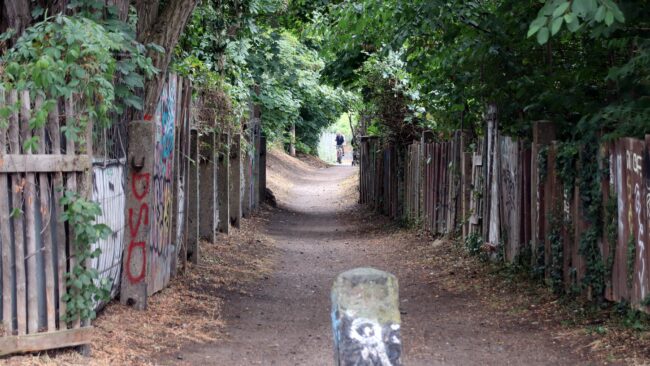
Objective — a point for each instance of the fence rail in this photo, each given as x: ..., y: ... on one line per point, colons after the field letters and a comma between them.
x: 508, y: 194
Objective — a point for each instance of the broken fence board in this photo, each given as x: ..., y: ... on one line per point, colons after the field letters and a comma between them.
x: 45, y: 341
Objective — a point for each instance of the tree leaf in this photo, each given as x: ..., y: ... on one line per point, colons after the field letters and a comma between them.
x: 557, y: 24
x: 609, y: 18
x: 542, y: 35
x: 561, y: 9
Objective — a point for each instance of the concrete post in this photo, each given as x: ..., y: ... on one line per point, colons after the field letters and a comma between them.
x: 465, y: 182
x: 207, y: 187
x: 257, y: 139
x: 223, y: 175
x: 366, y: 319
x: 292, y: 145
x: 193, y: 198
x: 246, y: 183
x: 139, y: 200
x: 235, y: 181
x: 262, y: 181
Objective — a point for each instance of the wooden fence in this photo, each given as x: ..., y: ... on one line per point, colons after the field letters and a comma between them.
x: 144, y: 177
x: 508, y: 194
x: 35, y: 244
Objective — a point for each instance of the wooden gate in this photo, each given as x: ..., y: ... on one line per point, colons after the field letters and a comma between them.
x: 35, y: 245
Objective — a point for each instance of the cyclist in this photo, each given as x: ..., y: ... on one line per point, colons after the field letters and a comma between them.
x: 340, y: 142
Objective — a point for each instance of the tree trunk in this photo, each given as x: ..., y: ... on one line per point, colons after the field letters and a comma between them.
x: 162, y: 27
x: 16, y: 15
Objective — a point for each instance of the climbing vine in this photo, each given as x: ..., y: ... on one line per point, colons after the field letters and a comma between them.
x: 555, y: 267
x: 99, y: 63
x: 591, y: 198
x: 85, y: 288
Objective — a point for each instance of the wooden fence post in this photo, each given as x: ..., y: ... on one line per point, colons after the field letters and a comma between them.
x: 465, y: 182
x: 139, y: 199
x: 366, y: 318
x: 223, y: 174
x: 207, y: 187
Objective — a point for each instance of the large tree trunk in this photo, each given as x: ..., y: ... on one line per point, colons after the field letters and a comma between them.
x: 16, y: 15
x: 162, y: 27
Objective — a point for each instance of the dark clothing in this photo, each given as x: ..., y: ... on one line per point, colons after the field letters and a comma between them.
x: 340, y: 140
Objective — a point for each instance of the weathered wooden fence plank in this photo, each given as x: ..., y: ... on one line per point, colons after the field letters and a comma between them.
x: 45, y: 341
x: 47, y: 244
x: 5, y: 238
x: 510, y: 199
x: 44, y: 163
x: 17, y: 200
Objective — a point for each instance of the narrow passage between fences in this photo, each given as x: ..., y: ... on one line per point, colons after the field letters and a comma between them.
x: 319, y: 231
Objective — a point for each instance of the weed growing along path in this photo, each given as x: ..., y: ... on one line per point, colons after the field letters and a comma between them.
x: 318, y: 232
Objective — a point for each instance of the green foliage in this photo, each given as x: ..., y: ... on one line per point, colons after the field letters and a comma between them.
x: 567, y: 157
x: 85, y: 288
x: 462, y: 55
x: 99, y: 63
x: 575, y: 14
x: 633, y: 318
x: 474, y: 245
x: 392, y: 104
x: 589, y: 180
x: 555, y: 267
x: 239, y: 47
x: 542, y: 163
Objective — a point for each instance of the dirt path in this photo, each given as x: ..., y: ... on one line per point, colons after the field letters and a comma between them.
x: 318, y: 232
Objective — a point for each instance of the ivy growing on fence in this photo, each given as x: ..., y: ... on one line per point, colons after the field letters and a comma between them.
x: 85, y: 288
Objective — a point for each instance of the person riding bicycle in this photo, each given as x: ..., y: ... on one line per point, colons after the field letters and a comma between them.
x: 340, y: 142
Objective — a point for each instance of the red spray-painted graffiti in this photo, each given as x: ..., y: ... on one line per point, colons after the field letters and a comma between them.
x: 136, y: 275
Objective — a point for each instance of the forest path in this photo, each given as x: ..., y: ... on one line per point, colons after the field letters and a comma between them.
x: 318, y: 232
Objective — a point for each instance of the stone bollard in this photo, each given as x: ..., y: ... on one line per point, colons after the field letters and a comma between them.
x: 366, y: 319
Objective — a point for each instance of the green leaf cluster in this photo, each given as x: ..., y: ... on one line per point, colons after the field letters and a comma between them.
x: 85, y: 287
x: 240, y: 48
x: 97, y: 62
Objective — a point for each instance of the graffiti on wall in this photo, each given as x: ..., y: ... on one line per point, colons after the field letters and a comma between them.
x: 108, y: 191
x: 630, y: 261
x: 162, y: 245
x: 140, y: 186
x: 361, y: 341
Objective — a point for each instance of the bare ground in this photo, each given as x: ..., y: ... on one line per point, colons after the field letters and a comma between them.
x: 261, y: 296
x: 455, y: 311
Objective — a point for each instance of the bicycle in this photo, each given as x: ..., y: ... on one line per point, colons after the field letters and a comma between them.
x: 339, y: 154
